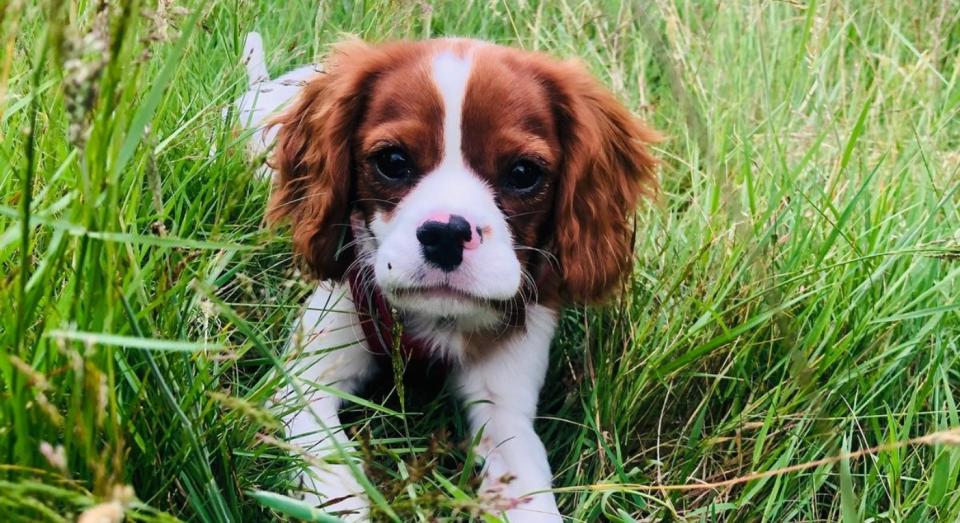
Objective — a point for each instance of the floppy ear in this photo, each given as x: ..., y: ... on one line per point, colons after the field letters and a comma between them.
x: 607, y: 169
x: 313, y: 160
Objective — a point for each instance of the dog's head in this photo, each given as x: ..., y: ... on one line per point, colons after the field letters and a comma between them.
x: 465, y: 174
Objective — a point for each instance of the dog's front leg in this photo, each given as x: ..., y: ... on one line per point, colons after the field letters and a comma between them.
x: 501, y: 390
x: 327, y: 350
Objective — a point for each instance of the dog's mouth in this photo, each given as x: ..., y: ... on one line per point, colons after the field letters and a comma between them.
x: 446, y: 301
x: 444, y: 292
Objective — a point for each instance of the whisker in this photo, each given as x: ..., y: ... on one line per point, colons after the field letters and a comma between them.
x: 521, y: 214
x: 375, y: 200
x: 549, y: 256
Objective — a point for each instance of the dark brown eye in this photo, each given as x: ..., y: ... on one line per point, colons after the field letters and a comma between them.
x: 394, y: 164
x: 523, y: 177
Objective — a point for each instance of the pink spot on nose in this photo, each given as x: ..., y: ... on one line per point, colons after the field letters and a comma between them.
x: 442, y: 217
x: 478, y: 235
x: 475, y: 239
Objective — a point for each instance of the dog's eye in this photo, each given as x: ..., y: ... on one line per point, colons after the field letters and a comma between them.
x: 393, y: 164
x: 523, y: 176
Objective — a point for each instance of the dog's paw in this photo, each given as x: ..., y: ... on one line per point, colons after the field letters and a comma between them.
x: 504, y: 496
x: 335, y: 490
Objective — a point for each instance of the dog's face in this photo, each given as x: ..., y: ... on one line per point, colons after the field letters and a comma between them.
x: 469, y: 177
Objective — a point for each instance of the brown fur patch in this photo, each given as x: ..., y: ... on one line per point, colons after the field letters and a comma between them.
x: 576, y: 226
x: 368, y: 96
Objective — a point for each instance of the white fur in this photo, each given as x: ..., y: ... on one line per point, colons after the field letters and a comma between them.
x: 501, y: 393
x: 266, y: 97
x: 255, y: 59
x: 264, y: 100
x: 451, y: 74
x: 328, y: 346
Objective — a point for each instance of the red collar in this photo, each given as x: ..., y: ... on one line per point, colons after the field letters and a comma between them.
x: 379, y: 320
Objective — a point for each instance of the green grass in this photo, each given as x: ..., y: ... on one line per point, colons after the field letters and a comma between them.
x: 796, y: 292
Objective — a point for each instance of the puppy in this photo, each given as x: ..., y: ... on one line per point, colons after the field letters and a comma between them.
x: 452, y: 196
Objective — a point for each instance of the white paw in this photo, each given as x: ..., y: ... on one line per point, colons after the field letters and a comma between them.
x: 335, y: 490
x: 531, y: 515
x: 506, y: 497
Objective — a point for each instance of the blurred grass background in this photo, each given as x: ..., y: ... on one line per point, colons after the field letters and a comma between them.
x: 795, y: 294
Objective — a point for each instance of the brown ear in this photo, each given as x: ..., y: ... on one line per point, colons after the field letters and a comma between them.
x: 607, y: 170
x: 313, y: 160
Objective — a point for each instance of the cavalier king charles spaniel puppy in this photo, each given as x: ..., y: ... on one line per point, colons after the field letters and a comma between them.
x: 451, y: 196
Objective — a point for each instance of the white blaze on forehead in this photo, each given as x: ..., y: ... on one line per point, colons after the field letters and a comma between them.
x: 451, y: 72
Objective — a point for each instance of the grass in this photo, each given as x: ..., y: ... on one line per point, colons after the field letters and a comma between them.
x: 795, y: 297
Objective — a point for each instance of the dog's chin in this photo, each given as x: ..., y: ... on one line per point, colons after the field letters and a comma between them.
x: 444, y: 302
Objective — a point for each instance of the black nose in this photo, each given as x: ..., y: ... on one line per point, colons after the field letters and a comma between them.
x: 442, y: 243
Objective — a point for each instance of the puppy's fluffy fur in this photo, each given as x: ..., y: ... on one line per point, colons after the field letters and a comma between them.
x: 475, y: 189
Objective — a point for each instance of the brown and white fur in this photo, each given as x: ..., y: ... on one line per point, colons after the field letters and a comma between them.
x: 540, y: 161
